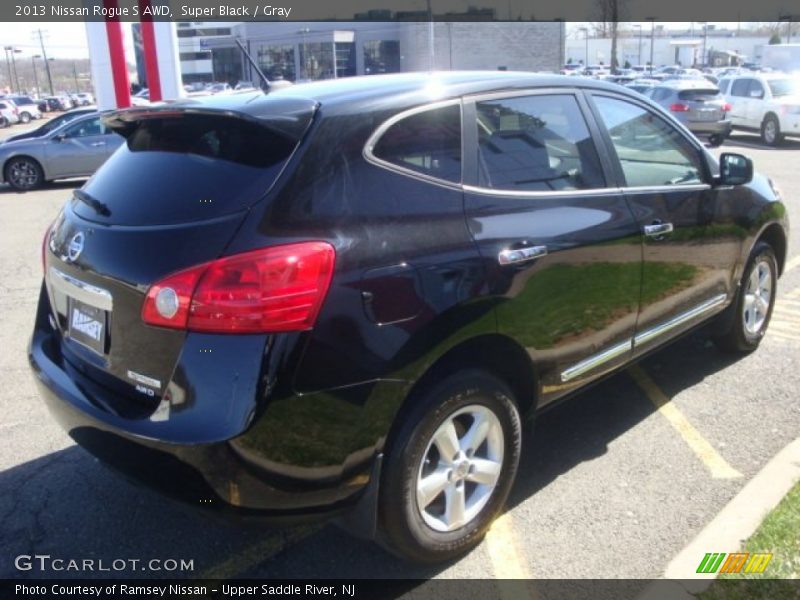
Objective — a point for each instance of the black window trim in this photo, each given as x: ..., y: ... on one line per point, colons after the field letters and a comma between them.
x: 374, y: 138
x: 678, y: 127
x: 469, y: 113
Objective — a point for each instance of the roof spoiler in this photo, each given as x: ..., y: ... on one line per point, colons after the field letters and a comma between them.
x: 286, y: 115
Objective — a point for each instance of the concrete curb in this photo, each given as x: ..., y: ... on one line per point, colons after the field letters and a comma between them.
x: 732, y: 526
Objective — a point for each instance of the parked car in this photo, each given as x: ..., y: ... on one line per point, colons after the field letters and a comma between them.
x: 141, y: 98
x: 56, y: 103
x: 27, y: 108
x: 764, y: 102
x: 245, y: 85
x: 76, y: 149
x: 52, y: 124
x: 8, y: 113
x: 217, y: 88
x: 343, y: 297
x: 85, y: 99
x: 699, y: 105
x: 642, y: 85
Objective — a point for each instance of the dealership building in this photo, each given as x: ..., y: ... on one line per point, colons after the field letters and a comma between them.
x: 297, y: 51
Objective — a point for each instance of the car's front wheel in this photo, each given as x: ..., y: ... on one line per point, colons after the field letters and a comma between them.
x: 715, y: 140
x: 24, y: 173
x: 450, y: 468
x: 747, y: 319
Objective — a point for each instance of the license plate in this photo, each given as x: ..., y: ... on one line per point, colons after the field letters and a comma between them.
x: 87, y: 325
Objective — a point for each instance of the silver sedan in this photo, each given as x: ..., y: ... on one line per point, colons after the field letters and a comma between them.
x: 76, y: 149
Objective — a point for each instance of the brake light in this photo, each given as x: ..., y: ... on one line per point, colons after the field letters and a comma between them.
x: 269, y: 290
x: 678, y: 107
x: 727, y: 107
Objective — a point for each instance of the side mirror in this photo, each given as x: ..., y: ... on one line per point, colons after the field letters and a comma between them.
x: 735, y: 169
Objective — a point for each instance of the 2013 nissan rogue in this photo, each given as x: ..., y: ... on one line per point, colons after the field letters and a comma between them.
x: 340, y: 298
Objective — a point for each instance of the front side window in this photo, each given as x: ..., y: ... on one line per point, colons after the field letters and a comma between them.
x: 650, y: 150
x: 426, y: 142
x: 85, y: 128
x: 535, y: 143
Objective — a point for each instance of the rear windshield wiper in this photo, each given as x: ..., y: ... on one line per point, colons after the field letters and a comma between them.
x: 99, y: 207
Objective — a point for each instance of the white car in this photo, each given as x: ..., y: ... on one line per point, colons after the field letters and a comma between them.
x: 27, y: 108
x: 8, y: 113
x: 764, y: 102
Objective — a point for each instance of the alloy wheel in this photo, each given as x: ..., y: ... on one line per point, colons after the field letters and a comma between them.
x: 23, y: 174
x: 460, y: 468
x: 757, y: 298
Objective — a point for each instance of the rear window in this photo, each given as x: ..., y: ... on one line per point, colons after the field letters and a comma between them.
x: 699, y: 95
x: 186, y: 167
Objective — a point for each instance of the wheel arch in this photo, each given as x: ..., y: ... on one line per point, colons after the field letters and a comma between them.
x: 495, y: 353
x: 774, y: 235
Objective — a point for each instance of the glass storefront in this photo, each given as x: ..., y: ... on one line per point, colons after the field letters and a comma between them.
x: 277, y: 61
x: 381, y: 56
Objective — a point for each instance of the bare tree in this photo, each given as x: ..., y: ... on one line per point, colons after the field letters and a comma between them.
x: 610, y: 13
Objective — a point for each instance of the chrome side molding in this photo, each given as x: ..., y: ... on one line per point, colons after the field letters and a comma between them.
x: 594, y: 361
x: 80, y: 290
x: 654, y: 332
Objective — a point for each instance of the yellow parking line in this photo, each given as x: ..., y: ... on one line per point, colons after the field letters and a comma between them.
x: 508, y: 560
x: 719, y: 468
x: 503, y: 549
x: 255, y: 554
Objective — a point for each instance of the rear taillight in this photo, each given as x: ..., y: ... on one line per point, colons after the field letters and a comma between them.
x: 44, y: 247
x: 726, y: 107
x: 678, y: 107
x: 270, y: 290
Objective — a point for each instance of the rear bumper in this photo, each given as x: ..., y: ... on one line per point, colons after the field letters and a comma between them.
x: 234, y: 477
x: 711, y: 128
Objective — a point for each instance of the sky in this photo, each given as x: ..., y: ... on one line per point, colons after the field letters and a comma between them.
x: 62, y: 40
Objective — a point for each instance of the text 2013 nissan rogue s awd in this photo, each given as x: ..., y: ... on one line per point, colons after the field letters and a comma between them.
x: 339, y: 298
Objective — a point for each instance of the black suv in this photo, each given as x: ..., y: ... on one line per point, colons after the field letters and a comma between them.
x: 340, y: 298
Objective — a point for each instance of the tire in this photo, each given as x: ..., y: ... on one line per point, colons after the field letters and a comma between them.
x: 426, y: 533
x: 746, y: 320
x: 716, y: 140
x: 25, y: 118
x: 4, y: 123
x: 23, y: 173
x: 771, y: 131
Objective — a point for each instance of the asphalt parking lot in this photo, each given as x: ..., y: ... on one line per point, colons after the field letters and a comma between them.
x: 610, y: 486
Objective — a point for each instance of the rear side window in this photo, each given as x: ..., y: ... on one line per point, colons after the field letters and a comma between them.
x: 660, y: 94
x: 186, y: 167
x: 740, y: 87
x: 426, y: 142
x: 724, y: 85
x: 535, y: 143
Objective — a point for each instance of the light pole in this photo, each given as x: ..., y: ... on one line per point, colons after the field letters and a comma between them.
x: 703, y: 58
x: 13, y: 81
x: 639, y: 27
x: 8, y: 64
x: 35, y: 74
x: 586, y: 31
x: 304, y: 62
x: 652, y: 40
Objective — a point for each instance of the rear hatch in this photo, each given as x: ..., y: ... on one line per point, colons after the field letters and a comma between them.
x: 170, y: 198
x: 704, y: 104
